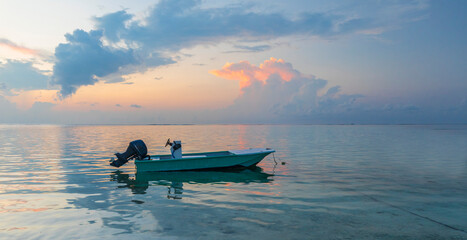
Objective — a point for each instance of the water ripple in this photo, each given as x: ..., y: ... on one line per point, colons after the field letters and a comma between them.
x: 331, y: 182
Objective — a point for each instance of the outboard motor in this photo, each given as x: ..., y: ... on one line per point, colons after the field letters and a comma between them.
x: 136, y: 150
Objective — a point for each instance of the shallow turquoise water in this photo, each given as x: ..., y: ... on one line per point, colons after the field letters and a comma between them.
x: 338, y: 182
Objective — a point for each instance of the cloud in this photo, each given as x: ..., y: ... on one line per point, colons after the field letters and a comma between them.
x: 112, y: 24
x: 249, y: 49
x: 21, y: 75
x: 172, y: 25
x: 40, y: 56
x: 84, y: 58
x: 15, y: 47
x: 40, y: 112
x: 400, y: 107
x: 248, y: 73
x: 276, y: 92
x: 123, y: 44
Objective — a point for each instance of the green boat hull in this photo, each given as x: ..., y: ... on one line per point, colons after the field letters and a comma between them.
x: 211, y: 160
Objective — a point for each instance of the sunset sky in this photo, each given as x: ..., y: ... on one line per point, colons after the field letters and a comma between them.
x: 252, y: 62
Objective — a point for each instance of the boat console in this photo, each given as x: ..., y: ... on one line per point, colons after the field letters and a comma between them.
x: 175, y: 148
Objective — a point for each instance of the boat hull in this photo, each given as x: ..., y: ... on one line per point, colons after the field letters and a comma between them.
x: 197, y: 163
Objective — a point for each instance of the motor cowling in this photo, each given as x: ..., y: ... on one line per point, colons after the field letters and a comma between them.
x: 136, y: 150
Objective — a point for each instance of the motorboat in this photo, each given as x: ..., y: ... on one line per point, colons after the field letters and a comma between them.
x: 176, y: 161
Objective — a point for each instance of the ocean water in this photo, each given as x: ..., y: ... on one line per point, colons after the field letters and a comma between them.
x: 324, y: 182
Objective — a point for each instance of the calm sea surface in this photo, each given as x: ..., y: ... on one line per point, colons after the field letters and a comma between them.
x: 337, y: 182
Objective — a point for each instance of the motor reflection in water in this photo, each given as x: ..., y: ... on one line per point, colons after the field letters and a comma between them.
x: 175, y: 180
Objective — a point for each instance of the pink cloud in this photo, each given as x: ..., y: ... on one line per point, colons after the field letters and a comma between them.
x: 275, y: 91
x: 11, y: 45
x: 248, y: 73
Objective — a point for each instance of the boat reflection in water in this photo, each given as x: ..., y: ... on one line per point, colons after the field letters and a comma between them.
x: 175, y: 180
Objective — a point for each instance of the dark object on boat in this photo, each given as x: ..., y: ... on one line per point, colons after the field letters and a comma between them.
x: 136, y: 150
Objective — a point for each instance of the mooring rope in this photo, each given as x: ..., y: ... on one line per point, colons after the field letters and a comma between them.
x: 413, y: 213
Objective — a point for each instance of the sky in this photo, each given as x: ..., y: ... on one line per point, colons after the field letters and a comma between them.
x: 233, y: 62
